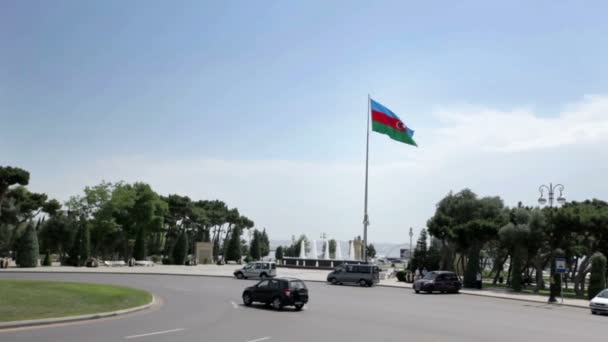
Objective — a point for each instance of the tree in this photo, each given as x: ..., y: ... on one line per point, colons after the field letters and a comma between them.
x: 81, y: 247
x: 514, y: 238
x: 264, y: 244
x: 279, y: 253
x: 597, y: 281
x: 57, y: 234
x: 27, y: 252
x: 47, y: 259
x: 332, y: 249
x: 433, y: 255
x: 139, y: 251
x: 418, y: 261
x: 371, y: 251
x: 180, y: 250
x: 234, y: 245
x: 10, y: 176
x: 255, y: 247
x: 467, y: 222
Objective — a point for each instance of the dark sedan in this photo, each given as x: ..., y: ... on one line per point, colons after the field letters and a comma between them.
x: 439, y: 281
x: 277, y: 292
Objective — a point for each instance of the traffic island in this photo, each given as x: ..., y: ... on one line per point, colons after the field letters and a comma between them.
x: 31, y: 302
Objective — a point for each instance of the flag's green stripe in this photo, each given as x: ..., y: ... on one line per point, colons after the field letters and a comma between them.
x: 393, y: 133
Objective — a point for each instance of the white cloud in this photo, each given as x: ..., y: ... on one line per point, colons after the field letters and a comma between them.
x: 522, y: 130
x: 493, y: 152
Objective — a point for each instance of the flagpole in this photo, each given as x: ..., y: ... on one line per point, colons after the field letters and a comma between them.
x: 365, y: 217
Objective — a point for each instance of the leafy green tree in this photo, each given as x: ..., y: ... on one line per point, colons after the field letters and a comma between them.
x: 27, y: 252
x: 57, y: 234
x: 597, y: 281
x: 418, y: 260
x: 515, y: 237
x: 255, y: 249
x: 139, y: 251
x: 81, y: 247
x: 332, y: 249
x: 264, y: 244
x: 371, y: 251
x: 234, y: 245
x: 10, y: 176
x: 279, y: 253
x: 433, y: 255
x: 467, y: 222
x: 180, y: 250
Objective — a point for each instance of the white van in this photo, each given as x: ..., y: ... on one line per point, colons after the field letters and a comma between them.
x: 257, y: 269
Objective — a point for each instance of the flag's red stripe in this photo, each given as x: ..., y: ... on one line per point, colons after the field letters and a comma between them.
x: 388, y: 120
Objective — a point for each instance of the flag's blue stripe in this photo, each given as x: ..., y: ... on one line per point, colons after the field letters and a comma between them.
x: 380, y: 108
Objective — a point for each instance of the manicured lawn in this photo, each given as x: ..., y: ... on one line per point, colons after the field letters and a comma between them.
x: 30, y: 299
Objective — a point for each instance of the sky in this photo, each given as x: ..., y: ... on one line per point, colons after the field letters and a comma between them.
x: 263, y: 104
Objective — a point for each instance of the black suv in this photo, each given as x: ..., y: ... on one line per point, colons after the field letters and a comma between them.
x: 440, y: 281
x: 277, y: 292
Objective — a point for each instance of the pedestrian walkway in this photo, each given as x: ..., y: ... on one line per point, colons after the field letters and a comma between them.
x: 304, y: 274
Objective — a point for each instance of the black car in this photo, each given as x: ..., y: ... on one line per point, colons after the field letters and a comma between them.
x: 440, y: 281
x: 277, y: 292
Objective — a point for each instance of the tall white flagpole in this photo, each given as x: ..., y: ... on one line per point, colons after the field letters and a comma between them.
x: 365, y: 217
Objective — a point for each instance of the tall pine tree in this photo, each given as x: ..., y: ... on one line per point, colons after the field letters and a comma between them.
x: 255, y: 249
x: 27, y: 252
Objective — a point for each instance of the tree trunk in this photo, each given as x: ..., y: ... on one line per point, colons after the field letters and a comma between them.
x: 499, y: 268
x: 579, y: 279
x: 540, y: 282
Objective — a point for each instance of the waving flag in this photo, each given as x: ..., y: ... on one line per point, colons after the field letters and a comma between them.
x: 386, y: 122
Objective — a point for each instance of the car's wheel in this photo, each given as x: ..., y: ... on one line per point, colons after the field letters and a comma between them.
x: 333, y: 281
x: 239, y: 275
x: 594, y: 312
x: 299, y: 307
x: 362, y: 282
x: 247, y: 299
x: 417, y: 291
x: 276, y: 303
x: 263, y: 276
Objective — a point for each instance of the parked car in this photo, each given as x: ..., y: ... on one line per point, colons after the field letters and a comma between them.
x: 364, y: 275
x: 278, y: 292
x: 440, y: 281
x: 258, y: 269
x: 599, y: 303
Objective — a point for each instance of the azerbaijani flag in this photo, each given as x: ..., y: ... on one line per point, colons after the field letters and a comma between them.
x: 386, y: 122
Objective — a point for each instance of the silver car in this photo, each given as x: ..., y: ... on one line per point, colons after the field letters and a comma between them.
x: 258, y: 269
x: 599, y: 303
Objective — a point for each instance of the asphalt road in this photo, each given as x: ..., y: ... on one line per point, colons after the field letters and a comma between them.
x: 210, y: 309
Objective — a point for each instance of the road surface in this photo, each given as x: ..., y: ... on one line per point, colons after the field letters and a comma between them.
x: 210, y: 309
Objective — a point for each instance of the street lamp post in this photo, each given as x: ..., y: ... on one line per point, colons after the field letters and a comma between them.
x: 543, y: 201
x: 411, y: 235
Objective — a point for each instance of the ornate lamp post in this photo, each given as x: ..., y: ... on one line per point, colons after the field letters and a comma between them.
x: 543, y: 201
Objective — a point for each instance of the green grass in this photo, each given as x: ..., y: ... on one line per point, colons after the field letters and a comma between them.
x: 30, y: 299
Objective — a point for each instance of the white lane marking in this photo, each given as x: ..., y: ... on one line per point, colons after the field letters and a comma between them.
x: 154, y: 333
x: 260, y: 339
x: 234, y: 305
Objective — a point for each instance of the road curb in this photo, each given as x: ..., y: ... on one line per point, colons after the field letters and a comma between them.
x: 316, y: 281
x: 69, y: 319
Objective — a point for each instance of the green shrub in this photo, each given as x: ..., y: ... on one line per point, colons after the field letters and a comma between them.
x: 27, y: 248
x: 401, y: 275
x: 597, y: 280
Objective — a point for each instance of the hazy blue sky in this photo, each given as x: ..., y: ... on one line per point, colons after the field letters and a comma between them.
x: 263, y: 103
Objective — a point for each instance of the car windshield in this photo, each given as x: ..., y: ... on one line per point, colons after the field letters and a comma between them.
x: 430, y: 276
x: 603, y: 294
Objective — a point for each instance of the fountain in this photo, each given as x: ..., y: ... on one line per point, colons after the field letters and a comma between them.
x: 338, y: 251
x: 351, y: 250
x: 326, y: 250
x: 303, y: 250
x: 314, y: 250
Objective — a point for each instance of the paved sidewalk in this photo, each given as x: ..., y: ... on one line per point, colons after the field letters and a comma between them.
x: 304, y: 274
